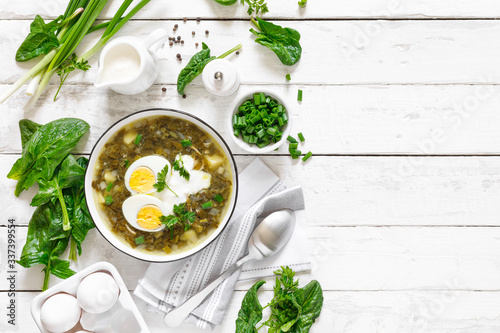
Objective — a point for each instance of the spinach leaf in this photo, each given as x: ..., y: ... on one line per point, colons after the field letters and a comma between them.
x: 226, y: 2
x: 310, y: 298
x: 42, y: 247
x: 45, y: 150
x: 282, y: 41
x: 194, y: 68
x: 196, y: 65
x: 251, y: 311
x: 27, y: 128
x: 41, y: 39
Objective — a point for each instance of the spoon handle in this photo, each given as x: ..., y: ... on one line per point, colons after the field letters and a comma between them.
x: 175, y: 317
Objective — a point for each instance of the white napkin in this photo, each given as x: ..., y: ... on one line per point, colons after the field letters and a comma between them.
x: 166, y: 285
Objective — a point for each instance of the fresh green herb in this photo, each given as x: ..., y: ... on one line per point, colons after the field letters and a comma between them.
x: 186, y: 143
x: 302, y: 3
x: 181, y: 217
x: 67, y: 67
x: 282, y: 41
x: 301, y: 137
x: 58, y: 39
x: 161, y: 182
x: 45, y: 150
x: 109, y: 187
x: 108, y: 200
x: 291, y: 139
x: 288, y: 77
x: 260, y: 120
x: 299, y: 96
x: 307, y: 156
x: 257, y: 6
x: 127, y: 163
x: 139, y: 240
x: 196, y: 65
x: 179, y: 166
x: 293, y: 309
x: 60, y: 199
x: 219, y: 198
x: 207, y: 205
x: 137, y: 139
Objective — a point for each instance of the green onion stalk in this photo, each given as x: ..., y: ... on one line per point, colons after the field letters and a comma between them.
x: 78, y: 21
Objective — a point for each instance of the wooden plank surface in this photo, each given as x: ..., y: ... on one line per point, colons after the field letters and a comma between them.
x: 334, y: 52
x: 284, y: 9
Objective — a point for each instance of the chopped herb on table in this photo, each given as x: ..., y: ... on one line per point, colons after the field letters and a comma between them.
x: 254, y: 6
x: 293, y: 309
x: 62, y: 215
x: 302, y: 3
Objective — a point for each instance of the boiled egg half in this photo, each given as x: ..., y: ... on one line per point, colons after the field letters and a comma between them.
x: 143, y: 212
x: 141, y: 175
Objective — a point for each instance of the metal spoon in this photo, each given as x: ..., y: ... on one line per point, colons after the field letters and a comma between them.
x: 268, y: 238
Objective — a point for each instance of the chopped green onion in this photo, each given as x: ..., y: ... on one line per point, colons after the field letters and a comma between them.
x: 291, y: 139
x: 306, y: 157
x: 127, y: 163
x: 207, y: 205
x: 108, y: 200
x: 301, y: 137
x: 256, y: 99
x: 297, y: 152
x: 137, y: 139
x: 288, y: 77
x: 295, y: 157
x: 299, y: 96
x: 108, y: 188
x: 294, y: 145
x: 186, y: 143
x: 218, y: 198
x: 139, y: 240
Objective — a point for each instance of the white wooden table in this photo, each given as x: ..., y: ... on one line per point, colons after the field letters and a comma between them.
x: 401, y: 108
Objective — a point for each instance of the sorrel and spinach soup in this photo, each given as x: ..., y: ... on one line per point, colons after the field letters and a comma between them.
x: 162, y: 184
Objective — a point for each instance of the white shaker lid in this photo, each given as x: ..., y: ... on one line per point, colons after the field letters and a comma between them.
x: 220, y: 77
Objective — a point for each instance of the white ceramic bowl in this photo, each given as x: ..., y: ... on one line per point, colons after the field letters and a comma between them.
x: 93, y: 206
x: 252, y: 148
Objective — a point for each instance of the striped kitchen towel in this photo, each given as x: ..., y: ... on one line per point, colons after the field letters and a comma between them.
x: 166, y: 285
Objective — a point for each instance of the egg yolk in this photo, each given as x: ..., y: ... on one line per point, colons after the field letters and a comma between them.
x: 142, y: 180
x: 148, y: 217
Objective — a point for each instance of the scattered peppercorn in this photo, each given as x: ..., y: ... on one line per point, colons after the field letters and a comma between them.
x: 185, y: 19
x: 182, y: 41
x: 163, y: 89
x: 178, y: 55
x: 207, y: 32
x: 196, y: 44
x: 198, y: 19
x: 176, y: 26
x: 184, y: 96
x: 170, y: 43
x: 193, y: 33
x: 237, y: 52
x: 174, y: 29
x: 178, y: 37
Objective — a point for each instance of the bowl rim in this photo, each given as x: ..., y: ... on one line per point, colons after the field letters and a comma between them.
x: 122, y: 246
x: 252, y: 148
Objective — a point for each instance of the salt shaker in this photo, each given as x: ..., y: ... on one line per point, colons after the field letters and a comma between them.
x: 221, y: 77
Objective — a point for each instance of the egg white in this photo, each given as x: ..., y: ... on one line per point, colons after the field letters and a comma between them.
x: 155, y: 163
x: 132, y: 205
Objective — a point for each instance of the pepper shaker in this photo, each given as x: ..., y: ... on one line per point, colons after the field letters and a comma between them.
x: 221, y: 78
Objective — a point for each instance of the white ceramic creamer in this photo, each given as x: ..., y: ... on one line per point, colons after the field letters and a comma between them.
x: 127, y: 64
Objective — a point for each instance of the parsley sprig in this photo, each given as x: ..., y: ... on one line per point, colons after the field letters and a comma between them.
x: 161, y: 181
x: 257, y: 6
x: 69, y: 65
x: 181, y: 216
x: 179, y: 166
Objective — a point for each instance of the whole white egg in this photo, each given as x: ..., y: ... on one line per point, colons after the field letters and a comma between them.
x: 60, y: 313
x: 142, y: 174
x: 142, y: 211
x: 97, y: 293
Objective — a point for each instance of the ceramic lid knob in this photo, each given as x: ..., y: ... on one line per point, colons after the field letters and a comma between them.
x: 221, y: 77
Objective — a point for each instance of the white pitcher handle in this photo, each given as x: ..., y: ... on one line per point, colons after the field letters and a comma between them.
x: 156, y: 39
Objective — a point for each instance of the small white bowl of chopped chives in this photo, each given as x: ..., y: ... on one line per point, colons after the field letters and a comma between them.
x: 260, y: 122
